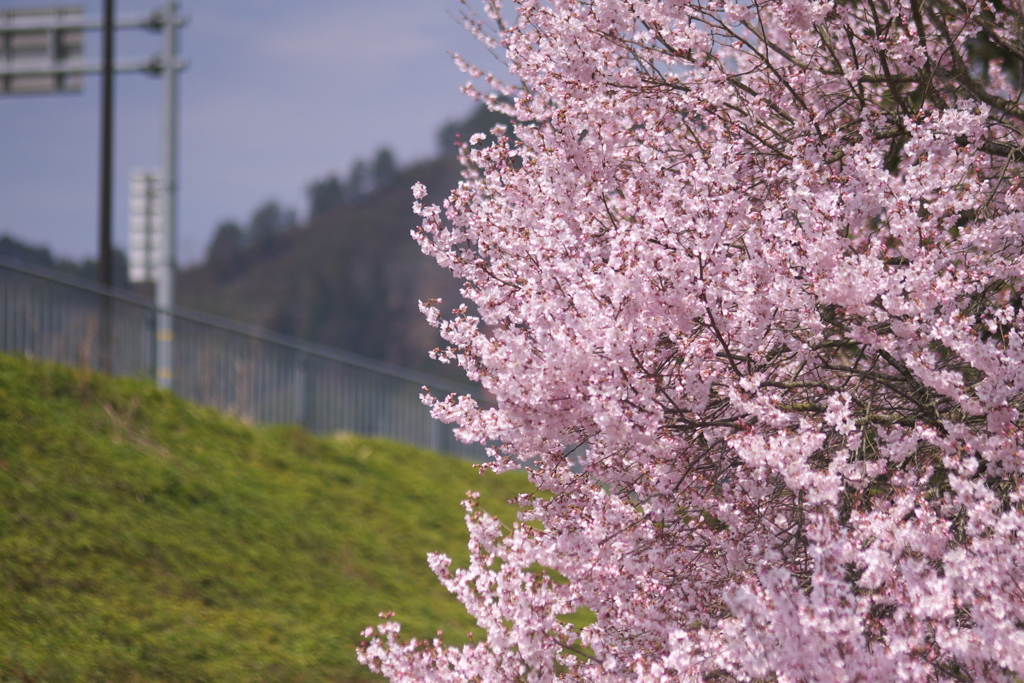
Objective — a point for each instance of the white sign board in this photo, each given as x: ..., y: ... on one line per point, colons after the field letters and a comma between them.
x: 40, y: 50
x: 146, y: 235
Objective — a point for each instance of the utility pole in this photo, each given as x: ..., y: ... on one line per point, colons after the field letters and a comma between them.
x: 56, y: 34
x: 167, y: 268
x: 105, y: 265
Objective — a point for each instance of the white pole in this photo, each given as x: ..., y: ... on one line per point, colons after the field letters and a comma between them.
x: 168, y: 264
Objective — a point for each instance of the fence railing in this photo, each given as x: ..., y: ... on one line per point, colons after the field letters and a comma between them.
x: 257, y: 375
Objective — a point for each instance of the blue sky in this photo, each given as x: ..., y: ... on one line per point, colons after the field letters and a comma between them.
x: 278, y: 93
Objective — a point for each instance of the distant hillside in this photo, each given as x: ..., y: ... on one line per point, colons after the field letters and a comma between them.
x: 145, y: 539
x: 351, y: 275
x: 349, y: 278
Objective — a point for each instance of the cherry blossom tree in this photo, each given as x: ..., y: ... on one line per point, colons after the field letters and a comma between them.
x: 744, y: 279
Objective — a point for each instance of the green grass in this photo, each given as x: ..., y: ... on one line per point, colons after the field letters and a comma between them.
x: 143, y: 538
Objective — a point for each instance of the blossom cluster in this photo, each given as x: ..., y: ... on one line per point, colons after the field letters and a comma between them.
x: 744, y: 280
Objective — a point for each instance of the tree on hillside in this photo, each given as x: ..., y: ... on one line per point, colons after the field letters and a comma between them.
x: 226, y: 253
x: 747, y: 292
x: 19, y: 251
x: 266, y: 224
x: 360, y: 181
x: 331, y: 192
x: 384, y: 171
x: 325, y: 195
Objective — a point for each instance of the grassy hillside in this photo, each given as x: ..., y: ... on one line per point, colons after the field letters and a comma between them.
x: 146, y: 539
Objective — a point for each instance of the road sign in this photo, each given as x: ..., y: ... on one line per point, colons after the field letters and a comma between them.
x: 146, y: 239
x: 41, y: 50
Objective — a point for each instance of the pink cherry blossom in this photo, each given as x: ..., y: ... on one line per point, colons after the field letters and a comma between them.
x: 744, y: 280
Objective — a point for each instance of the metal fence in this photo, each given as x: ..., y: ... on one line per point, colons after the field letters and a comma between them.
x: 256, y: 375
